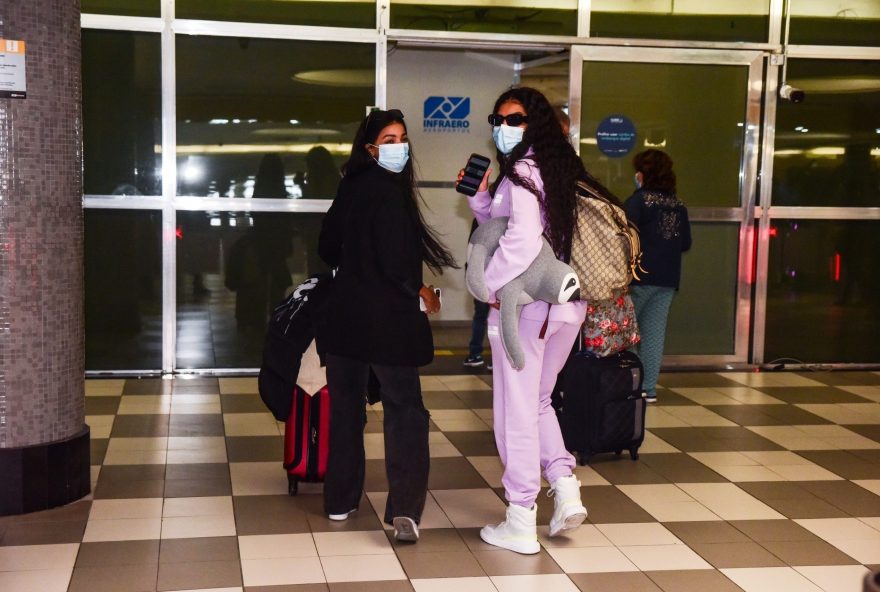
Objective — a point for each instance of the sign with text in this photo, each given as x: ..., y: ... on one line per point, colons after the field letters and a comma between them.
x: 13, y: 82
x: 616, y: 136
x: 447, y: 114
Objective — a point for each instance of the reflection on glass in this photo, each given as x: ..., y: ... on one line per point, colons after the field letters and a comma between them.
x: 702, y: 320
x: 725, y: 20
x: 121, y: 7
x: 671, y: 107
x: 122, y: 111
x: 823, y: 291
x: 848, y: 22
x: 353, y: 13
x: 828, y: 147
x: 123, y: 289
x: 233, y: 269
x: 301, y: 100
x: 544, y: 17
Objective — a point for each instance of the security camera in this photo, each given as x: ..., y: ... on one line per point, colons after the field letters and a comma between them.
x: 790, y: 93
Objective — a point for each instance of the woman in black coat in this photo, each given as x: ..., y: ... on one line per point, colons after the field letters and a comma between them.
x: 375, y: 236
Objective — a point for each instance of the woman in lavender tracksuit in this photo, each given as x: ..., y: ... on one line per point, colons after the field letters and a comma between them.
x: 535, y: 189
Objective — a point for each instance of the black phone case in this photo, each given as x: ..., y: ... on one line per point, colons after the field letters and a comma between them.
x: 474, y: 170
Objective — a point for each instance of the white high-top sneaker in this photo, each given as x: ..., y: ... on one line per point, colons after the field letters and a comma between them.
x: 518, y: 533
x: 568, y: 511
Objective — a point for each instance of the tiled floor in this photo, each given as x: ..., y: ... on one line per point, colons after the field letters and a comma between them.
x: 747, y: 481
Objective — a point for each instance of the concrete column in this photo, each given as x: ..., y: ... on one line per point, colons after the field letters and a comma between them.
x: 44, y: 442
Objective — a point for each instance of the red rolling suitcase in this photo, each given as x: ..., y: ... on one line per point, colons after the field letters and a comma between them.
x: 307, y: 438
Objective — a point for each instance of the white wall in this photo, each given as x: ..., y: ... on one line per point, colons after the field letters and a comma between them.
x: 413, y: 76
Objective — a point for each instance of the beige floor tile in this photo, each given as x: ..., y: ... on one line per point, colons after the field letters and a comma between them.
x: 668, y: 503
x: 110, y: 509
x: 489, y: 468
x: 196, y: 442
x: 43, y: 580
x: 458, y: 420
x: 659, y: 417
x: 432, y: 383
x: 100, y: 426
x: 872, y: 521
x: 362, y: 568
x: 664, y: 557
x: 705, y: 396
x: 38, y: 557
x: 432, y: 515
x: 126, y: 529
x: 804, y: 473
x: 258, y: 478
x: 214, y: 454
x: 863, y: 551
x: 740, y: 474
x: 136, y: 444
x: 730, y: 502
x: 186, y: 408
x: 591, y: 559
x: 374, y: 446
x: 589, y: 477
x: 105, y: 387
x: 770, y: 579
x: 696, y: 416
x: 190, y: 527
x: 869, y: 392
x: 135, y: 457
x: 748, y: 396
x: 587, y: 535
x: 214, y: 590
x: 638, y: 533
x: 654, y: 444
x: 238, y: 386
x: 464, y: 382
x: 282, y: 571
x: 481, y: 584
x: 274, y: 546
x: 777, y: 457
x: 197, y: 506
x: 467, y: 508
x: 759, y: 379
x: 835, y: 578
x: 250, y: 424
x: 792, y: 438
x: 872, y: 485
x: 845, y: 413
x: 534, y: 583
x: 145, y: 405
x: 840, y: 529
x: 366, y: 542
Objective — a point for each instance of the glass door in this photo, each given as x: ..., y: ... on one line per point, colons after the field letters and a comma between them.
x: 703, y: 108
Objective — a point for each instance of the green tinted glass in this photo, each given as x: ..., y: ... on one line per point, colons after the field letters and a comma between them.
x: 122, y: 7
x: 506, y: 16
x: 674, y: 109
x: 354, y: 13
x: 835, y: 23
x: 699, y: 21
x: 823, y: 291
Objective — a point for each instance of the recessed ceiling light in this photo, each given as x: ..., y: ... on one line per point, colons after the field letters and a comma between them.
x: 360, y: 78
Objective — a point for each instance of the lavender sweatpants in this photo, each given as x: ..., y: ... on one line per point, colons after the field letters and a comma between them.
x: 526, y: 429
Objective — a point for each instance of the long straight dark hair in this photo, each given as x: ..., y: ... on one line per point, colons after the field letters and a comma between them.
x: 434, y: 253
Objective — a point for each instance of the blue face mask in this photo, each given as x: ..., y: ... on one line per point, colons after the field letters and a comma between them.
x: 393, y: 157
x: 507, y: 137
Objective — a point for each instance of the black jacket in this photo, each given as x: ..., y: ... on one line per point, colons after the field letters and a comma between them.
x: 665, y: 233
x: 371, y: 234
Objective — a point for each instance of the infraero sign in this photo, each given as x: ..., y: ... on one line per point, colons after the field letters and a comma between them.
x: 447, y: 114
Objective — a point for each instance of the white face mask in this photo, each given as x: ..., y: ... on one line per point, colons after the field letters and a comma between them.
x: 507, y: 137
x: 393, y: 157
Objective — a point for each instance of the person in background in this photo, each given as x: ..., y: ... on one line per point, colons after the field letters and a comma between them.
x: 478, y: 329
x: 665, y: 232
x: 376, y: 237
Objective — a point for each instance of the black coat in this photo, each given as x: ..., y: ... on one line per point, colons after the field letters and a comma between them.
x: 665, y: 233
x: 371, y: 233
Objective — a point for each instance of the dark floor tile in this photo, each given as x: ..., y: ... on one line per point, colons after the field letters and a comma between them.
x: 197, y: 471
x: 508, y: 563
x: 693, y: 533
x: 114, y: 578
x: 74, y: 512
x: 199, y: 549
x: 732, y: 555
x: 474, y: 443
x: 364, y: 519
x: 102, y: 405
x: 440, y: 564
x: 791, y: 500
x: 868, y: 431
x: 454, y: 473
x: 380, y: 586
x: 98, y: 450
x: 715, y: 439
x: 208, y: 424
x: 140, y: 426
x: 620, y: 581
x: 810, y: 394
x: 698, y: 580
x: 203, y: 385
x: 680, y: 468
x: 608, y: 505
x: 767, y: 415
x: 431, y: 540
x: 476, y: 399
x: 270, y: 514
x: 242, y: 404
x: 471, y: 538
x: 147, y: 386
x: 375, y: 478
x: 198, y: 487
x: 125, y: 473
x: 844, y: 463
x: 774, y: 531
x: 42, y: 533
x: 199, y: 575
x: 808, y: 553
x: 129, y: 489
x: 846, y: 495
x: 848, y: 378
x: 695, y: 379
x: 666, y: 397
x: 622, y: 471
x: 118, y: 553
x: 442, y: 400
x: 255, y: 448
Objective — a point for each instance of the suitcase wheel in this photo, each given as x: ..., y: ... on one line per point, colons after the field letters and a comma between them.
x: 634, y: 453
x: 292, y: 485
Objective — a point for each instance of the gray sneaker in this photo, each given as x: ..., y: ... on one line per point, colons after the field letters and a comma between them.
x: 405, y: 529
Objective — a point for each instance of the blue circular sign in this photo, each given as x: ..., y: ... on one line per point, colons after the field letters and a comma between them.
x: 616, y: 136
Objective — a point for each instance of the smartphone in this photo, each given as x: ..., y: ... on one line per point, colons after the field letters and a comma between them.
x: 474, y: 170
x: 422, y: 302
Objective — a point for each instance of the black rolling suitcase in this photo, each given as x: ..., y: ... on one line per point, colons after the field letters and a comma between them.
x: 600, y: 404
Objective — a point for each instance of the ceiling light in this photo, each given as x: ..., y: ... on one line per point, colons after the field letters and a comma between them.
x: 349, y: 77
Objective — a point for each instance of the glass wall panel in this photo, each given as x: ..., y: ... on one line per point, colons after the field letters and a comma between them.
x: 671, y: 107
x: 828, y: 147
x: 727, y: 20
x: 300, y: 100
x: 541, y: 17
x: 122, y: 7
x: 354, y: 13
x: 848, y: 22
x: 702, y: 319
x: 122, y: 113
x: 823, y: 292
x: 123, y: 289
x: 233, y: 269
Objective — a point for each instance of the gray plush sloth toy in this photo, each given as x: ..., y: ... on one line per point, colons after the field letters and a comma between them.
x: 547, y: 279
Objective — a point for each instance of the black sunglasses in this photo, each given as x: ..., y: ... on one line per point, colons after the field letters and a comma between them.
x: 392, y: 113
x: 513, y: 120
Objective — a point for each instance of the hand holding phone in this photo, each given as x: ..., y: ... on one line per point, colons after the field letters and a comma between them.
x: 424, y: 308
x: 474, y: 171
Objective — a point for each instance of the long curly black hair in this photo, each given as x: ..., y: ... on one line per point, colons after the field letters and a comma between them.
x: 434, y: 253
x: 559, y: 164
